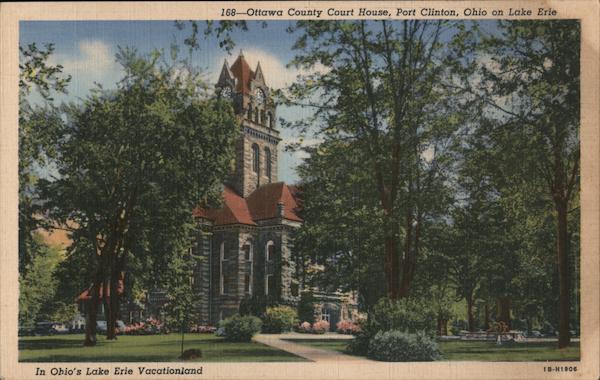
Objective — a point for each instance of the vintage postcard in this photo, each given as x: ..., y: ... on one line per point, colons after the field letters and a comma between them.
x: 300, y: 190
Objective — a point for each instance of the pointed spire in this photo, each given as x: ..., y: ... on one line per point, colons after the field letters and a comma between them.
x: 241, y: 53
x: 226, y: 76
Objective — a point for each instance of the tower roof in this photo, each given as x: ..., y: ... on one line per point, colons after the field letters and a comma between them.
x: 242, y: 73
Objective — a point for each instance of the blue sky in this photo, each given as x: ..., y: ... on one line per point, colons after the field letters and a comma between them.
x: 86, y: 49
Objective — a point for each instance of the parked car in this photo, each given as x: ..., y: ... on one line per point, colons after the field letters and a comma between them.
x: 50, y: 328
x: 101, y: 326
x: 534, y: 334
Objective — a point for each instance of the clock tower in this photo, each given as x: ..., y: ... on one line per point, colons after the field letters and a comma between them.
x: 256, y: 148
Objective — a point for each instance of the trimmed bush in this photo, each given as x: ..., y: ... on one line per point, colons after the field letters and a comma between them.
x: 240, y: 328
x: 279, y: 319
x: 347, y: 327
x: 404, y: 315
x: 398, y: 346
x: 304, y: 328
x: 320, y: 327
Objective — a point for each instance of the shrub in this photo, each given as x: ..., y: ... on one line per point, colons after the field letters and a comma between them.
x: 304, y: 328
x: 320, y: 327
x: 405, y: 315
x: 240, y: 328
x: 347, y: 327
x: 279, y: 319
x: 398, y: 346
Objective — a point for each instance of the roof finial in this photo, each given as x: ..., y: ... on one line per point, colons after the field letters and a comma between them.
x: 241, y: 53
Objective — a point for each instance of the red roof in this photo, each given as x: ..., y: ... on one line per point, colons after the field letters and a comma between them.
x: 242, y: 72
x: 234, y: 210
x: 85, y: 295
x: 261, y: 204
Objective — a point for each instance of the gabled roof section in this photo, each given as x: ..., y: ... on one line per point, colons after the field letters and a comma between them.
x: 242, y: 73
x: 263, y: 202
x: 234, y: 211
x: 226, y: 76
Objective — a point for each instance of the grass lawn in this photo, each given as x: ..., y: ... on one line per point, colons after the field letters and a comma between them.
x: 478, y: 351
x: 147, y: 348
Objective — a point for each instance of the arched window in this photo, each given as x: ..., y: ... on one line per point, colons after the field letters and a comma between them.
x: 250, y: 113
x: 269, y: 120
x: 256, y: 116
x: 263, y: 118
x: 268, y: 168
x: 270, y: 251
x: 221, y: 265
x: 255, y: 158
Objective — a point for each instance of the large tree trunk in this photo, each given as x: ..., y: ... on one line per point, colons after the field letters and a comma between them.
x: 442, y: 326
x: 92, y: 310
x: 564, y: 336
x: 470, y: 318
x: 504, y: 311
x: 114, y: 305
x: 486, y: 326
x: 391, y: 266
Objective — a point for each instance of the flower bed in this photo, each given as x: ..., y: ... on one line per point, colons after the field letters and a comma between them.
x: 319, y: 327
x: 150, y: 327
x: 347, y: 327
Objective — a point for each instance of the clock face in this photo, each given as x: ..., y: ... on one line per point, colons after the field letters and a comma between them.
x: 227, y: 92
x: 260, y: 96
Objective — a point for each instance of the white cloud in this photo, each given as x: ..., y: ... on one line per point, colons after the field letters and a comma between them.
x: 93, y: 61
x: 95, y: 57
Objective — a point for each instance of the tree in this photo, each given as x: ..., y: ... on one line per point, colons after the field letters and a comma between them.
x: 38, y: 123
x: 134, y: 161
x: 180, y: 307
x: 38, y: 283
x: 381, y: 92
x: 531, y: 83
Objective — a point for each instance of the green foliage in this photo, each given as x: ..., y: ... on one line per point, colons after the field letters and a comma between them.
x: 180, y: 307
x: 38, y: 126
x: 278, y: 319
x: 398, y: 346
x: 380, y: 175
x: 38, y: 285
x: 64, y: 312
x: 404, y: 315
x: 306, y: 307
x: 240, y: 328
x: 133, y: 162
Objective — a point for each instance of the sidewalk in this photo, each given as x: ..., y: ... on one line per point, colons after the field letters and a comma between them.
x: 311, y: 353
